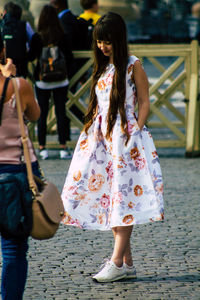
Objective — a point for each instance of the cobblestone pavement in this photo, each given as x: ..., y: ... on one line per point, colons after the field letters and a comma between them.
x: 166, y: 254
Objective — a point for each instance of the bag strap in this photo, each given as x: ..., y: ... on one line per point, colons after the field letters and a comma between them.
x: 24, y: 139
x: 3, y: 96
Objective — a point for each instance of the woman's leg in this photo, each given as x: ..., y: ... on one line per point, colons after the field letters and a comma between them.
x: 15, y: 266
x: 122, y: 249
x: 63, y: 123
x: 43, y: 97
x: 127, y: 259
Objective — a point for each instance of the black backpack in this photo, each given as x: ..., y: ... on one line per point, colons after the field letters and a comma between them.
x: 85, y: 29
x: 52, y: 64
x: 13, y: 33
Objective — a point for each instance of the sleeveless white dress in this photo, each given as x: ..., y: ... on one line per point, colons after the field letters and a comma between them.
x: 110, y: 184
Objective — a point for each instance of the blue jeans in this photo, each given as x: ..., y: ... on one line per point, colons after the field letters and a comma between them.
x: 15, y: 266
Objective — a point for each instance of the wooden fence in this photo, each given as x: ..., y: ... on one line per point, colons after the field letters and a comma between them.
x: 179, y: 77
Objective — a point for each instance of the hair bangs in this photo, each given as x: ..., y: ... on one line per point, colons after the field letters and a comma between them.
x: 102, y: 33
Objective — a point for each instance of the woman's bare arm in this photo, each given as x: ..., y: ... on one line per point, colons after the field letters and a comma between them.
x: 29, y: 104
x: 142, y: 87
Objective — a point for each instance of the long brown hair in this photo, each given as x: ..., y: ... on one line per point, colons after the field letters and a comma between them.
x: 49, y: 26
x: 110, y: 27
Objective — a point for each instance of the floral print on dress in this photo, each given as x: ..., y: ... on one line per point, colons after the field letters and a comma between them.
x: 109, y: 183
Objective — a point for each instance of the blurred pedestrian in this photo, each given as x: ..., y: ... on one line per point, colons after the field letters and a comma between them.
x: 14, y: 250
x: 17, y: 35
x: 195, y: 9
x: 114, y: 180
x: 68, y: 21
x: 77, y: 34
x: 50, y: 33
x: 90, y: 8
x: 90, y: 17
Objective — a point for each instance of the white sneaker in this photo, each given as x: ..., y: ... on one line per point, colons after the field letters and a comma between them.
x: 44, y: 154
x: 130, y: 271
x: 65, y: 154
x: 110, y: 273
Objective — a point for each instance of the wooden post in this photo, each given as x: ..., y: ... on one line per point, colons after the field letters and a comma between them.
x: 192, y: 120
x: 197, y: 132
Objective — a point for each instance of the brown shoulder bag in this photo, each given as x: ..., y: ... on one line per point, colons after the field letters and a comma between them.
x: 47, y: 207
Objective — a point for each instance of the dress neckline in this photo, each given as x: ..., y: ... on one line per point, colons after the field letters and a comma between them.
x: 109, y: 66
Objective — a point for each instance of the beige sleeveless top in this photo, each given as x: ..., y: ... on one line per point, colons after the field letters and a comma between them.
x: 10, y: 137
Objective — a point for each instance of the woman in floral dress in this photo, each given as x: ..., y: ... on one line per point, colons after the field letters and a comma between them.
x: 115, y: 180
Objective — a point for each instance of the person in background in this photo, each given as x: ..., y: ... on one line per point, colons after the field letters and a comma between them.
x: 90, y: 8
x: 114, y: 181
x: 68, y: 21
x: 77, y: 35
x: 90, y: 18
x: 195, y: 10
x: 14, y: 250
x: 51, y: 32
x: 17, y: 35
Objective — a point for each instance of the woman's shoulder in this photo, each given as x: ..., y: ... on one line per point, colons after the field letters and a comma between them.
x: 131, y: 62
x: 23, y: 85
x: 132, y: 59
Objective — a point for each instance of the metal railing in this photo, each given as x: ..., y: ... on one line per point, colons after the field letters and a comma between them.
x: 180, y: 76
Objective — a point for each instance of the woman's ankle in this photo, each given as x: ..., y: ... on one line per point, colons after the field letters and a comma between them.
x: 128, y: 262
x: 118, y: 262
